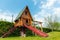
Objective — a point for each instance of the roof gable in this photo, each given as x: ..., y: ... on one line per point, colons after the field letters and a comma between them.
x: 20, y: 14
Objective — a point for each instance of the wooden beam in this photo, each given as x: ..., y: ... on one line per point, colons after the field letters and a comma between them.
x: 40, y: 24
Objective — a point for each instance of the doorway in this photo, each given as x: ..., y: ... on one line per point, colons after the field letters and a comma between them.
x: 27, y: 21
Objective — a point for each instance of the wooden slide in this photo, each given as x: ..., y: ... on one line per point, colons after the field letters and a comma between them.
x: 38, y: 32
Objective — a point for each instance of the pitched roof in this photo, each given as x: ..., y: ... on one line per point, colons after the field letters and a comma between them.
x: 20, y: 13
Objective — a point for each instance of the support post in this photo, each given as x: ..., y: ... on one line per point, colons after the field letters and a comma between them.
x: 22, y: 32
x: 41, y: 26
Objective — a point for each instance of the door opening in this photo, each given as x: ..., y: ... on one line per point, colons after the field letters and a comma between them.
x: 27, y: 21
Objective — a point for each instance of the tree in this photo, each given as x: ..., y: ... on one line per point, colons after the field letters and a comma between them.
x: 52, y: 22
x: 5, y: 26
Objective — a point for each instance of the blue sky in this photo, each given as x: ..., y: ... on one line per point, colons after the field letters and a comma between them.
x: 38, y: 8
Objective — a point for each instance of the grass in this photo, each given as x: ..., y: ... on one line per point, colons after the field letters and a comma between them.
x: 52, y: 36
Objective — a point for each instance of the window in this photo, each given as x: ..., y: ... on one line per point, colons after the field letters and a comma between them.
x: 25, y: 12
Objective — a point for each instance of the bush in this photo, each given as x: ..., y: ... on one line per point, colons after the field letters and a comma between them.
x: 45, y: 29
x: 29, y: 33
x: 15, y: 33
x: 5, y: 26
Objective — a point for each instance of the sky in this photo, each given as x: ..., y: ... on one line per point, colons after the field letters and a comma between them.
x: 39, y: 9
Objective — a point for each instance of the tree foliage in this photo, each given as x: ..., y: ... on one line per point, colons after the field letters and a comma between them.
x: 5, y: 26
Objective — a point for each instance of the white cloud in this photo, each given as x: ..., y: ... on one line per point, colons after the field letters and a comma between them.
x: 47, y: 9
x: 56, y: 11
x: 35, y: 2
x: 48, y: 4
x: 41, y: 15
x: 58, y: 1
x: 6, y: 15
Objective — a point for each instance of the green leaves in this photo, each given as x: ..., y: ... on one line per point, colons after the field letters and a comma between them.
x: 4, y: 26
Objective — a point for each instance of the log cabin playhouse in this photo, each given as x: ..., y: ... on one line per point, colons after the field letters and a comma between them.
x: 24, y: 20
x: 24, y: 17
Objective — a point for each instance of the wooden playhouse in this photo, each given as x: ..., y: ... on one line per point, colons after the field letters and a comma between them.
x: 24, y: 17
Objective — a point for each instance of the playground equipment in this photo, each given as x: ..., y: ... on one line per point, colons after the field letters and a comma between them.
x: 24, y: 20
x: 40, y: 24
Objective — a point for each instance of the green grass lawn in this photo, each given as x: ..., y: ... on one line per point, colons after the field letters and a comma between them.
x: 52, y: 36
